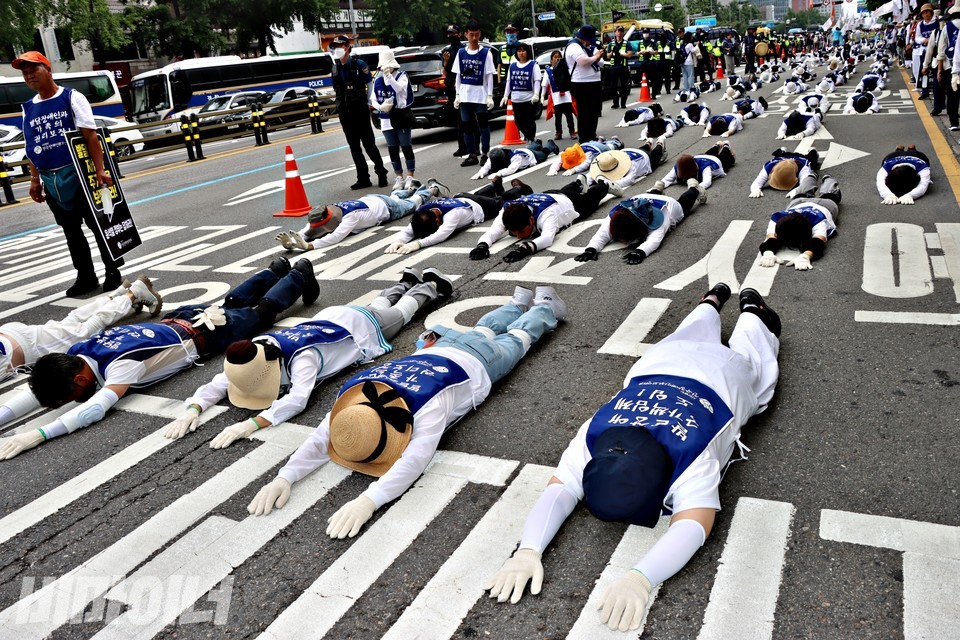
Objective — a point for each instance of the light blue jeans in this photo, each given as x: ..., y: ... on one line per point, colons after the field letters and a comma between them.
x: 500, y: 354
x: 399, y: 203
x: 687, y: 71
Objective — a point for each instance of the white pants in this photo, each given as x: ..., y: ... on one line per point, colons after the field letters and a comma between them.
x: 56, y: 336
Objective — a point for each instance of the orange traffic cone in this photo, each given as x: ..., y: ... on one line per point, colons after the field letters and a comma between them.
x: 720, y: 75
x: 644, y: 90
x: 511, y: 135
x: 296, y: 204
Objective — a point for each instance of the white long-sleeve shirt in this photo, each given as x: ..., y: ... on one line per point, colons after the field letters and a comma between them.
x: 549, y: 223
x: 874, y: 105
x: 672, y: 215
x: 519, y: 159
x: 358, y: 220
x: 805, y: 176
x: 708, y: 168
x: 812, y: 124
x: 704, y: 115
x: 429, y: 423
x: 453, y: 220
x: 915, y: 193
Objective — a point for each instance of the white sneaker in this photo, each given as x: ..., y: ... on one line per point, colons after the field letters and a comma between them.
x: 522, y: 297
x: 142, y: 289
x: 612, y: 187
x: 702, y: 198
x: 548, y: 296
x: 121, y: 290
x: 398, y: 183
x: 438, y: 188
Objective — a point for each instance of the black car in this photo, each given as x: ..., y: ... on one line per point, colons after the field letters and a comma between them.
x: 424, y: 69
x: 288, y: 106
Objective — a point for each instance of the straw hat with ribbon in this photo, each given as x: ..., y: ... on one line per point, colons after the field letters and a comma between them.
x: 612, y: 165
x: 370, y: 426
x: 783, y: 176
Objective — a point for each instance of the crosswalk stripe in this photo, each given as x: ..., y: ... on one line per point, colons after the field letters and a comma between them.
x: 627, y: 340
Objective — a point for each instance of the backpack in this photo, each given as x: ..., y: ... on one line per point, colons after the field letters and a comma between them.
x: 561, y: 74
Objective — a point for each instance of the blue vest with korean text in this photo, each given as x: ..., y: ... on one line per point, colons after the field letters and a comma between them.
x: 308, y: 335
x: 349, y: 206
x: 952, y: 31
x: 384, y: 92
x: 472, y: 66
x: 813, y: 215
x: 658, y: 202
x: 126, y: 342
x: 595, y: 148
x: 417, y: 378
x: 703, y: 162
x: 926, y: 30
x: 521, y: 79
x: 43, y: 126
x: 913, y: 161
x: 634, y: 155
x: 445, y: 205
x: 683, y: 415
x: 770, y: 164
x: 538, y: 202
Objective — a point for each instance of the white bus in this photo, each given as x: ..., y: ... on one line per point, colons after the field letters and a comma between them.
x: 163, y: 93
x: 99, y: 87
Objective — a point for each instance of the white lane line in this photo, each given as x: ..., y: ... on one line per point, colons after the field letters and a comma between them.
x: 177, y: 264
x: 635, y: 543
x: 541, y: 269
x: 717, y: 265
x: 912, y: 277
x: 890, y: 533
x: 95, y: 477
x: 219, y: 559
x: 456, y: 587
x: 46, y: 609
x: 627, y: 340
x: 744, y: 595
x: 908, y: 317
x: 319, y: 608
x: 948, y: 236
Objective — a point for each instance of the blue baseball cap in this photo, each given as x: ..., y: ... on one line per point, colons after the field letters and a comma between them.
x: 627, y: 477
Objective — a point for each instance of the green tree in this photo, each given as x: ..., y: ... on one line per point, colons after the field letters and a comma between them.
x: 260, y: 23
x: 91, y: 24
x: 173, y: 28
x: 19, y: 20
x: 395, y: 21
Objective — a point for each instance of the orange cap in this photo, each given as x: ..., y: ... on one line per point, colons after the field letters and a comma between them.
x: 34, y: 57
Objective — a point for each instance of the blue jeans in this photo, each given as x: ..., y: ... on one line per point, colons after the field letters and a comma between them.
x: 687, y: 70
x: 400, y: 140
x: 500, y: 354
x: 244, y: 321
x: 469, y: 110
x: 399, y: 203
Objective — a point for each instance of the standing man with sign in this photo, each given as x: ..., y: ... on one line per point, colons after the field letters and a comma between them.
x: 53, y: 178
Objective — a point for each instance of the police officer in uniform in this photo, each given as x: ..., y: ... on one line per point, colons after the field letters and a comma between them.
x: 350, y: 80
x: 618, y: 53
x: 668, y: 49
x: 649, y: 51
x: 508, y: 51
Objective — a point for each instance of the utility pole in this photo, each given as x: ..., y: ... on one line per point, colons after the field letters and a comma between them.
x: 533, y: 18
x: 353, y: 24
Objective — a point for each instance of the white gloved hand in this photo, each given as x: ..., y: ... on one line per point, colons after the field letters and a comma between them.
x: 272, y: 495
x: 552, y: 172
x: 955, y: 82
x: 535, y: 99
x: 346, y: 522
x: 569, y: 172
x: 799, y: 136
x: 393, y: 247
x: 781, y: 136
x: 768, y: 259
x: 725, y: 134
x: 801, y: 262
x: 494, y: 175
x: 503, y: 101
x: 386, y: 106
x: 456, y: 102
x: 410, y: 247
x: 706, y: 133
x: 625, y: 601
x: 756, y: 193
x: 211, y: 317
x: 489, y: 102
x: 692, y: 182
x: 891, y: 199
x: 906, y: 199
x: 15, y: 445
x: 186, y: 423
x: 659, y: 185
x: 234, y: 432
x: 792, y: 193
x: 477, y: 175
x: 511, y: 579
x: 620, y: 125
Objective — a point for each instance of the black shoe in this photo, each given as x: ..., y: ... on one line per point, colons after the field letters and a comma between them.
x: 411, y: 277
x: 83, y: 286
x: 111, y: 280
x: 362, y: 183
x: 497, y: 183
x: 721, y: 291
x: 443, y: 283
x: 936, y: 112
x: 483, y: 158
x: 525, y: 189
x: 615, y: 106
x: 752, y: 302
x: 551, y: 147
x: 280, y: 266
x: 470, y: 161
x: 382, y: 178
x: 311, y: 288
x: 459, y: 153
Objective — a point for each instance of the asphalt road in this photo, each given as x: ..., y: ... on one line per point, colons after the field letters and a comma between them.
x: 843, y: 523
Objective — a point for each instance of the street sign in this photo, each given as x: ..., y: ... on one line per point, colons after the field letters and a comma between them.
x: 769, y: 24
x: 710, y: 21
x: 658, y: 7
x: 551, y: 15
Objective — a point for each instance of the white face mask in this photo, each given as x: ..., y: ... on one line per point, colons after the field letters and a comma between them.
x: 338, y: 53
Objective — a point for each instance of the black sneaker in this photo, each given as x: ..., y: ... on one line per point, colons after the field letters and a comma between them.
x: 469, y: 161
x: 525, y: 189
x: 382, y: 180
x: 752, y: 302
x: 483, y: 158
x: 443, y: 283
x: 311, y: 288
x: 280, y: 266
x: 83, y: 286
x: 459, y: 153
x: 721, y: 291
x: 361, y: 183
x: 111, y: 280
x: 411, y: 277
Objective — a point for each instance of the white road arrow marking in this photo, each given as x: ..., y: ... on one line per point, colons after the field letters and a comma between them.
x: 807, y: 143
x: 839, y: 154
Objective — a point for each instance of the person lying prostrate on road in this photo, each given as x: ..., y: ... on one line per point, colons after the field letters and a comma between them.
x: 813, y: 103
x: 578, y: 157
x: 864, y: 102
x: 787, y: 171
x: 98, y: 371
x: 439, y: 219
x: 687, y: 95
x: 709, y: 87
x: 904, y: 176
x: 505, y: 162
x: 871, y: 82
x: 806, y: 224
x: 627, y: 166
x: 629, y: 466
x: 750, y: 108
x: 799, y: 125
x: 662, y: 127
x: 640, y: 115
x: 536, y: 219
x: 794, y: 85
x: 642, y: 222
x: 700, y: 169
x: 387, y: 421
x: 275, y: 373
x: 329, y: 224
x: 827, y: 85
x: 695, y: 114
x: 724, y: 125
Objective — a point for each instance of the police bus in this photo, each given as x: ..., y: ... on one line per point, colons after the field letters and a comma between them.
x: 161, y: 94
x: 99, y: 87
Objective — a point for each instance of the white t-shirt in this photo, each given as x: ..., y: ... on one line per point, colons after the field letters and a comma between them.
x: 581, y: 72
x: 476, y: 94
x: 455, y: 219
x: 82, y: 112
